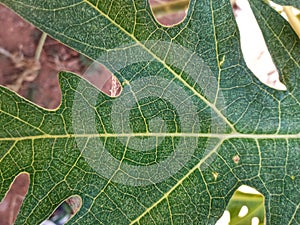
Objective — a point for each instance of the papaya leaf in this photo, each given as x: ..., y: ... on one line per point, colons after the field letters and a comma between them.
x: 190, y: 126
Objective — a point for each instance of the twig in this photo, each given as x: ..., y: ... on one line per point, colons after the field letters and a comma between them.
x: 6, y: 53
x: 29, y: 67
x: 40, y: 46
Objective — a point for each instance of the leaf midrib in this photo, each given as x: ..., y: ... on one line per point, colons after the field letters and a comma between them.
x: 222, y: 136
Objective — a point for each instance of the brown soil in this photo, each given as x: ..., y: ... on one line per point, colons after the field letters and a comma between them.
x: 21, y: 38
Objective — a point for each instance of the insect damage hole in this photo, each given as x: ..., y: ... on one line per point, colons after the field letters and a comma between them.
x: 65, y: 211
x: 244, y: 211
x: 169, y: 12
x: 236, y: 159
x: 254, y: 221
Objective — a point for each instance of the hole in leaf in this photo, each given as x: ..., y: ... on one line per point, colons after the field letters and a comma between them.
x: 103, y: 79
x: 11, y: 204
x: 245, y: 205
x: 243, y: 212
x: 236, y: 159
x: 65, y: 211
x: 254, y: 48
x: 169, y: 12
x: 254, y: 221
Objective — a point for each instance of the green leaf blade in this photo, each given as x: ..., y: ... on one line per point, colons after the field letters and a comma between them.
x: 162, y: 151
